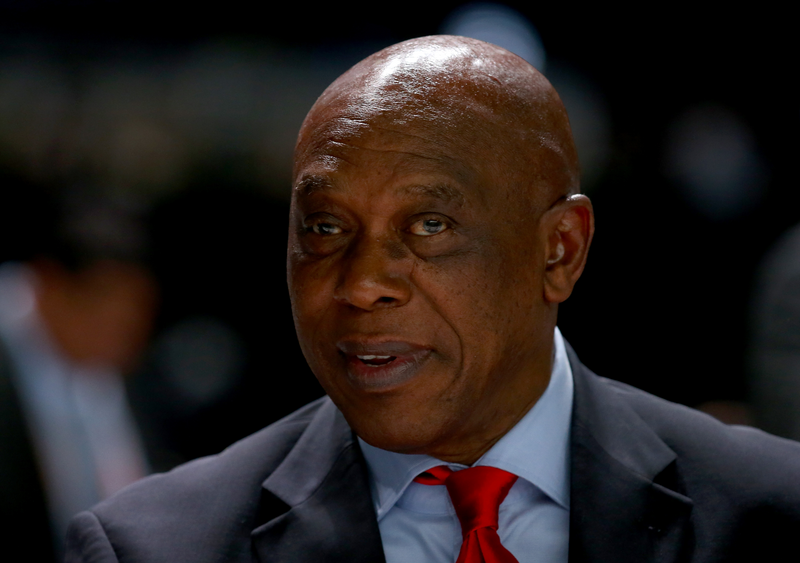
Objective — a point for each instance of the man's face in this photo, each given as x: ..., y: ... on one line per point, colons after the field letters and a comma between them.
x: 415, y: 272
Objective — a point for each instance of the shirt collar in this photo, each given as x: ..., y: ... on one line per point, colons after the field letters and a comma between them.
x: 536, y: 448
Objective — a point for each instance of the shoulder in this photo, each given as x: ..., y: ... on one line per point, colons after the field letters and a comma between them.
x: 643, y: 465
x: 700, y: 440
x: 200, y: 510
x: 743, y: 482
x: 619, y: 416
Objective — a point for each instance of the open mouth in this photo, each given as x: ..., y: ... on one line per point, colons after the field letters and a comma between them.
x: 382, y: 365
x: 376, y: 361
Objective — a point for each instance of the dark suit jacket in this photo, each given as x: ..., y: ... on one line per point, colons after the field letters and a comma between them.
x: 651, y: 481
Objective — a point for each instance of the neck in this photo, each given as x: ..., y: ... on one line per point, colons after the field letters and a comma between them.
x: 468, y: 456
x: 501, y: 416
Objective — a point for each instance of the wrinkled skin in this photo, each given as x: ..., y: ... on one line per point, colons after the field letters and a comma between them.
x: 435, y: 226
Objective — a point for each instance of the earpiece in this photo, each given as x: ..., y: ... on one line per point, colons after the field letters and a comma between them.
x: 559, y: 254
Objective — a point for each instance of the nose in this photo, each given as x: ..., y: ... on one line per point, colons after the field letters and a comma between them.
x: 374, y: 275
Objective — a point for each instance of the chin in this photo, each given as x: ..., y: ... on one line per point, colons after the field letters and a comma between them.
x: 397, y: 433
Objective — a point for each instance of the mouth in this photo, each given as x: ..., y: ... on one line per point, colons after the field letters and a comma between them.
x: 375, y: 361
x: 381, y: 366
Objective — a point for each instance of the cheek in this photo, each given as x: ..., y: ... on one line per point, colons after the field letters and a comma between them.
x: 311, y: 293
x: 486, y: 296
x: 464, y: 294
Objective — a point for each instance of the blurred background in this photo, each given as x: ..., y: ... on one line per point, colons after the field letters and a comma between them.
x: 145, y: 160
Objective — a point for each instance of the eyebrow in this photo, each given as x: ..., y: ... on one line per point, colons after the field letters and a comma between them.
x: 310, y: 184
x: 440, y: 191
x: 444, y: 192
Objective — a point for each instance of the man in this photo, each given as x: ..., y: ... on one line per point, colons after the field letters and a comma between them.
x: 435, y: 227
x: 76, y: 307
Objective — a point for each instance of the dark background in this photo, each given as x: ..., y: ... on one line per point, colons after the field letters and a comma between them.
x: 664, y: 303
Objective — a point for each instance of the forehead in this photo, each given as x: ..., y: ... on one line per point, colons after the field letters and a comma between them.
x: 407, y: 148
x: 416, y: 155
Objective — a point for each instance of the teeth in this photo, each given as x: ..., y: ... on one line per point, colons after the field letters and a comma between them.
x: 367, y: 358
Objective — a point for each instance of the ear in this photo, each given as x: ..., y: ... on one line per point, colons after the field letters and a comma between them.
x: 569, y: 228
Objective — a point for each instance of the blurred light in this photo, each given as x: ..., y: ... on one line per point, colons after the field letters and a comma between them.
x: 214, y: 97
x: 202, y: 359
x: 711, y: 155
x: 775, y: 338
x: 35, y: 103
x: 500, y: 25
x: 17, y: 300
x: 143, y: 122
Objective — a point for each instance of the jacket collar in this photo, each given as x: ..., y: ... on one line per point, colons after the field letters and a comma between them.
x: 626, y: 499
x: 323, y: 487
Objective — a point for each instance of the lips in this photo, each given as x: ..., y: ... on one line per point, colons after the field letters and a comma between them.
x: 374, y: 365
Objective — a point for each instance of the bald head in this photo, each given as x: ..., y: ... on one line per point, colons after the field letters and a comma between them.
x: 432, y: 237
x: 458, y: 90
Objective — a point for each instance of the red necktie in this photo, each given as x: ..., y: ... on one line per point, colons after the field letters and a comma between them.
x: 476, y: 493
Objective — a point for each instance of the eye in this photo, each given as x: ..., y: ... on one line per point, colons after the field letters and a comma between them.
x: 324, y: 229
x: 427, y: 227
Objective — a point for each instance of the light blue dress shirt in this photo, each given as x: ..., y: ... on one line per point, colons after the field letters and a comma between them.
x: 418, y: 523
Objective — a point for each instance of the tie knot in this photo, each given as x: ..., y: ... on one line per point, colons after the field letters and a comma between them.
x: 476, y: 493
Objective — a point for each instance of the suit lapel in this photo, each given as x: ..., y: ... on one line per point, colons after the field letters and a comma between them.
x: 626, y: 504
x: 324, y: 490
